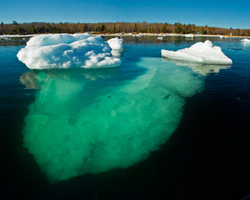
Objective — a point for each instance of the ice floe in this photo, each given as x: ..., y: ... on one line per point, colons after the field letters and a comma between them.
x: 67, y: 51
x: 200, y: 52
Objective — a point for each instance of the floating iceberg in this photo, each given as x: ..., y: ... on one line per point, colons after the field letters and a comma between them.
x: 116, y: 44
x: 246, y: 42
x: 67, y: 51
x: 200, y: 52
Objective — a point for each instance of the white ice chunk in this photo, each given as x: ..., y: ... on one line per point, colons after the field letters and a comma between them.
x: 116, y: 43
x: 67, y: 51
x: 246, y: 42
x: 189, y: 35
x: 200, y: 52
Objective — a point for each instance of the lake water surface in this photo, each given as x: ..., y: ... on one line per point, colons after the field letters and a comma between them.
x: 150, y: 129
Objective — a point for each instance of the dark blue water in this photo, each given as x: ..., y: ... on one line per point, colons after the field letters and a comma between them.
x: 207, y: 157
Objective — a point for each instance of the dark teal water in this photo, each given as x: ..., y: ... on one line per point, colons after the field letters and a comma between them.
x: 204, y: 155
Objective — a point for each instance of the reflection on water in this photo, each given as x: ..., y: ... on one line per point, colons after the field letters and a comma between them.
x: 34, y: 79
x: 116, y: 53
x: 91, y: 121
x: 29, y: 80
x: 203, y: 69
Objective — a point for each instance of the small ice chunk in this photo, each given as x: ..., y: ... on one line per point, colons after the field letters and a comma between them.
x: 189, y: 35
x: 116, y: 44
x: 200, y: 52
x: 67, y: 51
x: 246, y: 42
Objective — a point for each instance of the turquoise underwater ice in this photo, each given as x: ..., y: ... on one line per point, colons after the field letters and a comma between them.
x: 80, y: 124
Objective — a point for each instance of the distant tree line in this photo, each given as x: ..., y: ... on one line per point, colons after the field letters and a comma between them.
x: 118, y: 27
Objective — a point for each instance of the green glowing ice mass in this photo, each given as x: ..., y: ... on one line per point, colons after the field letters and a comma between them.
x: 91, y: 121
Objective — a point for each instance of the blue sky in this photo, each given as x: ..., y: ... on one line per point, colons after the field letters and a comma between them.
x: 218, y: 13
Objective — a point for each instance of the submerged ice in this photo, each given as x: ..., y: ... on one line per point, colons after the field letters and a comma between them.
x: 73, y: 128
x: 200, y: 52
x: 67, y: 51
x: 204, y: 69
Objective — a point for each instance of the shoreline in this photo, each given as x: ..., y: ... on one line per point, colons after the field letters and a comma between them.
x: 167, y: 35
x: 133, y: 35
